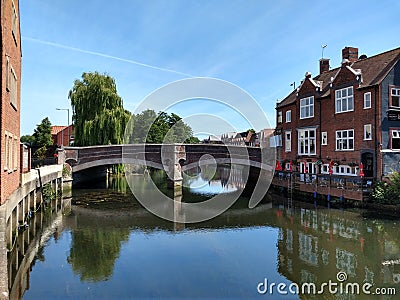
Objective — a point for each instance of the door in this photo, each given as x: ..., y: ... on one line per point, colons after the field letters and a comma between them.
x: 367, y: 159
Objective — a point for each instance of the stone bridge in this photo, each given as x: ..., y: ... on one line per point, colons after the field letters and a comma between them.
x: 173, y: 158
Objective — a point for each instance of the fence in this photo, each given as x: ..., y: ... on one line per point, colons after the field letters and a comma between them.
x: 350, y: 187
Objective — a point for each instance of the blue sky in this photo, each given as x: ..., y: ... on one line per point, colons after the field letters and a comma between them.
x: 260, y: 46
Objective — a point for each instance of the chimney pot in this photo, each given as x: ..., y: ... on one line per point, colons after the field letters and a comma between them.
x: 350, y: 53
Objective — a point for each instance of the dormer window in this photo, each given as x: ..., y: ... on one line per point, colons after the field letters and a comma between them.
x: 307, y: 107
x: 344, y: 100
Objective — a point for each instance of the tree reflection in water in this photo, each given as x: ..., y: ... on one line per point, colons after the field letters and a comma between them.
x: 94, y: 252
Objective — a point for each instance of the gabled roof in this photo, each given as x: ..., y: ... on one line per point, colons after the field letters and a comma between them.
x: 56, y: 129
x: 373, y: 70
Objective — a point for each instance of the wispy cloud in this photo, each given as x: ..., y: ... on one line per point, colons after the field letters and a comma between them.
x: 130, y: 61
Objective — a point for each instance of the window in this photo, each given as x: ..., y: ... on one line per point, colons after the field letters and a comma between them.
x: 288, y: 116
x: 279, y: 117
x: 367, y: 100
x: 15, y: 159
x: 306, y: 141
x: 307, y: 107
x: 13, y: 88
x: 395, y: 97
x: 344, y: 100
x: 14, y: 21
x: 6, y: 152
x: 288, y: 141
x: 395, y: 139
x: 275, y: 141
x: 7, y: 74
x: 345, y: 140
x: 324, y: 140
x: 368, y: 132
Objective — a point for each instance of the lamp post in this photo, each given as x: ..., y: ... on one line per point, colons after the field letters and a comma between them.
x: 62, y: 135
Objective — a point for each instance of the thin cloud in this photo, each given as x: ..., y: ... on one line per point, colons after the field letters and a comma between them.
x: 105, y: 55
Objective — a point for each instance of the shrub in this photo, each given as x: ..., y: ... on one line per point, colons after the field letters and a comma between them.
x: 388, y: 192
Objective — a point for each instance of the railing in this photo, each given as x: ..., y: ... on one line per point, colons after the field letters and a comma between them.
x: 353, y: 187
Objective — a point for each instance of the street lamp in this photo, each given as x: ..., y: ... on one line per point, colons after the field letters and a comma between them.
x: 62, y: 135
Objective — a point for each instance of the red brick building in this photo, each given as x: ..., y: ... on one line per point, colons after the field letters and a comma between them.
x: 10, y: 58
x: 62, y: 135
x: 344, y: 117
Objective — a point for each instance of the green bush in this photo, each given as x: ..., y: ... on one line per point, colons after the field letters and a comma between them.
x: 388, y: 192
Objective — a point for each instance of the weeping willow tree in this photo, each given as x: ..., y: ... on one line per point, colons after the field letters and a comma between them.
x: 97, y: 111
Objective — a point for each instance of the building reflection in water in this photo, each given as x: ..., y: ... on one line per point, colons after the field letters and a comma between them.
x: 226, y: 178
x: 315, y: 244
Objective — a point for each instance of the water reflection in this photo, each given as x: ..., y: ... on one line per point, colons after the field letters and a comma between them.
x: 211, y: 181
x: 315, y: 244
x: 126, y: 252
x: 93, y: 252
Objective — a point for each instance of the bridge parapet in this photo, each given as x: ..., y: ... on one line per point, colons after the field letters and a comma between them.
x: 173, y: 158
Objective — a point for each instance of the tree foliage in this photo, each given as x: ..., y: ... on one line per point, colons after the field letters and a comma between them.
x: 159, y: 128
x: 388, y: 192
x: 98, y: 113
x: 42, y: 134
x: 28, y: 139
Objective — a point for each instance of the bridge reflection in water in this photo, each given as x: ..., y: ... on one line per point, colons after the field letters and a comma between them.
x: 28, y: 246
x: 312, y: 244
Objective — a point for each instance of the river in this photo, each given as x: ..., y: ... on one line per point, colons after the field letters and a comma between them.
x: 110, y: 247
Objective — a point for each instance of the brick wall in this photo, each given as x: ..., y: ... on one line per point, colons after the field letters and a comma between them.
x: 10, y: 115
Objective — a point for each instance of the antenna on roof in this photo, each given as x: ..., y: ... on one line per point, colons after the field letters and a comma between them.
x: 323, y: 47
x: 293, y: 84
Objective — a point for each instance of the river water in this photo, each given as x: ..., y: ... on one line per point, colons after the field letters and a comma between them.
x: 110, y: 247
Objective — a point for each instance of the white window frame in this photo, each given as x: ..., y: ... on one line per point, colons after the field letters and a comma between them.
x: 288, y: 141
x: 366, y: 127
x: 14, y: 21
x: 367, y: 99
x: 13, y: 88
x: 7, y: 74
x: 303, y: 135
x: 343, y: 96
x: 279, y: 119
x: 343, y: 138
x: 324, y: 138
x: 307, y: 105
x: 15, y: 159
x: 394, y: 92
x: 6, y: 151
x: 288, y: 118
x: 394, y: 134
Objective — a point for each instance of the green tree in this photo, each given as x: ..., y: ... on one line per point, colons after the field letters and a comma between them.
x: 42, y: 134
x: 27, y: 139
x: 98, y: 113
x: 150, y: 127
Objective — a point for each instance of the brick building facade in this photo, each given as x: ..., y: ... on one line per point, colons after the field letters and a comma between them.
x: 62, y: 135
x: 344, y: 117
x: 10, y: 59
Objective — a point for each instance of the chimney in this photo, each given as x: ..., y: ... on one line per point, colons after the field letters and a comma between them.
x: 350, y: 53
x: 323, y: 65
